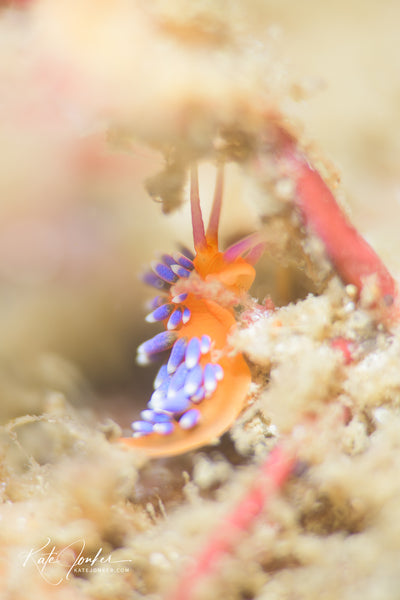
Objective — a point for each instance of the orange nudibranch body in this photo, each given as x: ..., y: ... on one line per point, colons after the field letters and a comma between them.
x: 202, y: 391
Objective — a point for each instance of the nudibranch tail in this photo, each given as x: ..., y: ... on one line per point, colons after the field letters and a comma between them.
x: 202, y: 387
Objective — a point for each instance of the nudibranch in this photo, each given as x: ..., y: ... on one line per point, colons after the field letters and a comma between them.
x: 201, y: 389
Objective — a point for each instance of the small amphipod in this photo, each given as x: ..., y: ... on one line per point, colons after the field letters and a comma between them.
x: 201, y: 389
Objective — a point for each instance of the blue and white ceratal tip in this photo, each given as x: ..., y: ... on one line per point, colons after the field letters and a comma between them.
x: 179, y: 386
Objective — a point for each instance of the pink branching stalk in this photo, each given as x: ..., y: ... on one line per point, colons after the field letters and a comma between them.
x: 352, y: 257
x: 270, y: 479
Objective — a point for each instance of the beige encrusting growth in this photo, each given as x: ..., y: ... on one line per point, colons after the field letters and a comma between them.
x: 103, y: 102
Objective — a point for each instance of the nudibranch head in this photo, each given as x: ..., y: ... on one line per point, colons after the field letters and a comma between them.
x: 202, y: 388
x: 236, y: 276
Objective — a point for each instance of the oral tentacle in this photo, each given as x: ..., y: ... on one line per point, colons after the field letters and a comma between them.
x: 254, y: 255
x: 242, y: 246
